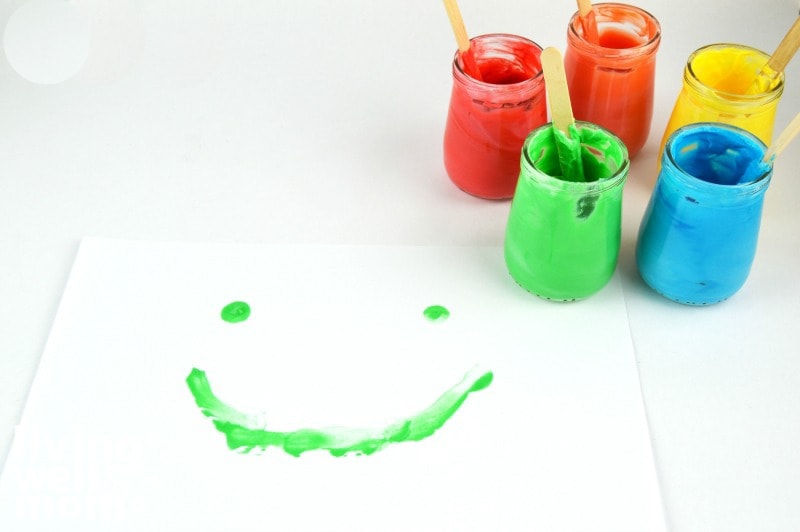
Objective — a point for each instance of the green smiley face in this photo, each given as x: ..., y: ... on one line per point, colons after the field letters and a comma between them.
x: 243, y: 433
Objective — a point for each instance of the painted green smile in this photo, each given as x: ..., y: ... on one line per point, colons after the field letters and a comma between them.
x: 244, y: 432
x: 338, y: 441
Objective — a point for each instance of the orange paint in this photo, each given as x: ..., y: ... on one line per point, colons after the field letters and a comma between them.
x: 612, y: 82
x: 618, y: 39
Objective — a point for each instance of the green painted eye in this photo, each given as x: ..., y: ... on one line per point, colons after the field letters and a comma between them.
x: 436, y: 313
x: 235, y: 312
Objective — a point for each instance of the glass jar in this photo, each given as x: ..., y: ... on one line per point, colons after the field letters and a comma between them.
x: 488, y: 119
x: 562, y: 239
x: 716, y: 84
x: 698, y: 236
x: 612, y: 81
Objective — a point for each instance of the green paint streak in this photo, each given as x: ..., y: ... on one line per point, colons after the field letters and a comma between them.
x: 568, y: 149
x: 436, y: 313
x: 242, y: 435
x: 595, y: 155
x: 235, y: 312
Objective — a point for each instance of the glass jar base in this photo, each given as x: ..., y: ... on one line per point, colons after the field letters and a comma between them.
x: 686, y: 301
x: 550, y: 298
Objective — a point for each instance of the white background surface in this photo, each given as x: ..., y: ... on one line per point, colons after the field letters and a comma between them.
x: 321, y: 122
x: 337, y: 337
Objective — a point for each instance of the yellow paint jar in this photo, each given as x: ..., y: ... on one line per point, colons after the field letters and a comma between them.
x: 717, y: 83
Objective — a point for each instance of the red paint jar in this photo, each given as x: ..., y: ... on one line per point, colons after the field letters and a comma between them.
x: 488, y: 119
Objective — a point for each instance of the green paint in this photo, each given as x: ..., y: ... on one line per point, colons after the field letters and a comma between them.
x: 244, y: 435
x: 601, y: 154
x: 235, y: 312
x: 569, y: 154
x: 436, y: 313
x: 563, y: 237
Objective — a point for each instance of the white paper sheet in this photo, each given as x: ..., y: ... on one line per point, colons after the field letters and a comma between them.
x: 111, y: 437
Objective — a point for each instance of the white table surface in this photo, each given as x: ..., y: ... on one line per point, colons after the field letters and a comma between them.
x: 321, y: 122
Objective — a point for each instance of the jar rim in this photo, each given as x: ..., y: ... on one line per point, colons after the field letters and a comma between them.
x: 731, y: 97
x: 461, y: 74
x: 701, y: 184
x: 641, y: 49
x: 600, y: 185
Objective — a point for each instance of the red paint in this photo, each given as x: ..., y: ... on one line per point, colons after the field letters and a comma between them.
x: 612, y: 82
x: 500, y: 72
x: 488, y: 120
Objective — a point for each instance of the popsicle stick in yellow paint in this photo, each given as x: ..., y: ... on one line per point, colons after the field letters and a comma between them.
x: 783, y: 140
x: 778, y: 60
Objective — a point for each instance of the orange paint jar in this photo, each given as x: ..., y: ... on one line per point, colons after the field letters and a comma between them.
x: 612, y: 81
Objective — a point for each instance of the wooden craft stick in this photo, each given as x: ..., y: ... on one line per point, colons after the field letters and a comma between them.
x: 783, y: 140
x: 555, y: 80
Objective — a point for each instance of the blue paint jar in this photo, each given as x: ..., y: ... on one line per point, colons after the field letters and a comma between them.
x: 698, y: 237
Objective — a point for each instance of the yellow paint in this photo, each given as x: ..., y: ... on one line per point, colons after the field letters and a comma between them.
x: 717, y: 88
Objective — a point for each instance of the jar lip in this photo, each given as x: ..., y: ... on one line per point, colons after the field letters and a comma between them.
x: 600, y: 185
x: 701, y: 184
x: 603, y: 51
x: 697, y: 84
x: 457, y: 70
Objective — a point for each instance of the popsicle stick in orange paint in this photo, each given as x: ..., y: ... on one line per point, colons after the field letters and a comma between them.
x: 588, y: 21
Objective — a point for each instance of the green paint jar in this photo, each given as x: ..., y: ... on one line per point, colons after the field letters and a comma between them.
x: 562, y: 237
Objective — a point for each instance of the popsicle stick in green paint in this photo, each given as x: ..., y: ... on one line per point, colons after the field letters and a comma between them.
x: 565, y: 133
x: 243, y: 436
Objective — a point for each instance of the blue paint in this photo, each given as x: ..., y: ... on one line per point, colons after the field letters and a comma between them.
x: 699, y: 233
